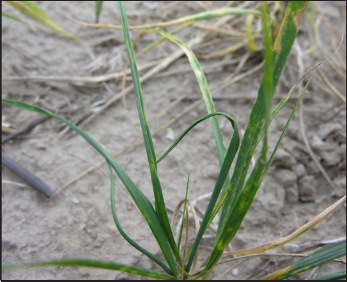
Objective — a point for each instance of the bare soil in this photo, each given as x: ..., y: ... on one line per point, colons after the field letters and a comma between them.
x: 77, y: 222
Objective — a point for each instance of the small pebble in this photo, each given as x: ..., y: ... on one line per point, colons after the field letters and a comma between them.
x: 170, y: 134
x: 75, y: 201
x: 128, y: 134
x: 235, y: 272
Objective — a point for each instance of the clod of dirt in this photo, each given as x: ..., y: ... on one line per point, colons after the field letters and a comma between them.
x: 296, y: 150
x: 307, y: 190
x: 319, y: 146
x: 283, y: 159
x: 300, y: 170
x: 330, y: 153
x: 271, y: 197
x: 288, y: 179
x: 335, y: 157
x: 326, y: 129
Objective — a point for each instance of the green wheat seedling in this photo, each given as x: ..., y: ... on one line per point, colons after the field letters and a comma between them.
x: 233, y: 196
x: 33, y: 12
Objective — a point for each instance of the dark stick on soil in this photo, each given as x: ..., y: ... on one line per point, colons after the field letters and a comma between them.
x: 34, y: 123
x: 25, y: 128
x: 30, y: 178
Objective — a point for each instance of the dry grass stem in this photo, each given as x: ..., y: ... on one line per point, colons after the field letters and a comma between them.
x: 284, y: 240
x: 225, y: 51
x: 332, y: 87
x: 79, y: 80
x: 273, y: 255
x: 229, y: 31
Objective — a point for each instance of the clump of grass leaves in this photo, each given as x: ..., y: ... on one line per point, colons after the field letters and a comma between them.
x: 235, y: 194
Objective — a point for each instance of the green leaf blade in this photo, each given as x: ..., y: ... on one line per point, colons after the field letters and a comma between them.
x: 340, y: 275
x: 34, y: 12
x: 240, y: 208
x: 108, y: 265
x: 158, y: 194
x: 14, y: 18
x: 98, y: 6
x: 319, y: 257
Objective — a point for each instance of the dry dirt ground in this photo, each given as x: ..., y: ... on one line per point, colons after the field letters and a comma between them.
x: 77, y: 222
